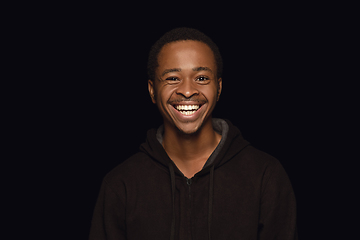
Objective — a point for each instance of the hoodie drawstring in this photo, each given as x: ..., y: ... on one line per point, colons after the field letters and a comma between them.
x: 172, y: 177
x: 211, y: 196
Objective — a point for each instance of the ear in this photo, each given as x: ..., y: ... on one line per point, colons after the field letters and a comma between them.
x: 151, y: 90
x: 219, y: 82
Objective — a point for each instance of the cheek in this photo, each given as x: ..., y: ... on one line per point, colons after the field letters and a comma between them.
x: 210, y: 93
x: 163, y: 94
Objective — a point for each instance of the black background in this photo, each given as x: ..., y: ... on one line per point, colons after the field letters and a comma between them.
x: 91, y: 108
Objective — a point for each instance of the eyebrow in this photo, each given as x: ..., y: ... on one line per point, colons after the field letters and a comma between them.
x: 170, y: 70
x: 196, y: 69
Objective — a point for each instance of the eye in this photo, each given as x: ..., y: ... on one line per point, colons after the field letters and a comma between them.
x: 172, y: 79
x: 202, y: 79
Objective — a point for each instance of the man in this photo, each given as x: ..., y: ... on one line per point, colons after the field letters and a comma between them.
x: 195, y: 177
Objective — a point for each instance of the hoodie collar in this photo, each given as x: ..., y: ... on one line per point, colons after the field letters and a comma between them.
x: 219, y: 125
x: 223, y: 152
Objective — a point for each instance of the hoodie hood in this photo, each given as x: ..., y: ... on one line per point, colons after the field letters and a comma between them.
x: 231, y: 143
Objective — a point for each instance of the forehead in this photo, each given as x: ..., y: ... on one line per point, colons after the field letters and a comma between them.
x: 187, y: 53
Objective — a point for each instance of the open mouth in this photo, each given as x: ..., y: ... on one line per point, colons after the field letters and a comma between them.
x: 187, y: 109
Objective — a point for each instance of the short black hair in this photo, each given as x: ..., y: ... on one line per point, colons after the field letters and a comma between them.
x: 179, y: 34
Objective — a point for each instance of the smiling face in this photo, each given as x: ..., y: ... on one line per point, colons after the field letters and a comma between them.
x: 186, y: 88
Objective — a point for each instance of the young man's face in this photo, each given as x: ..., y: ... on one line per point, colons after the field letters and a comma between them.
x: 186, y: 89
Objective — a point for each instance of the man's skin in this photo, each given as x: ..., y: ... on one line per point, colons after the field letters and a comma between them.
x: 186, y: 75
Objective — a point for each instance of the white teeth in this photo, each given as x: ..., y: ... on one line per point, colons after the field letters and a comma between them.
x: 187, y: 112
x: 187, y: 107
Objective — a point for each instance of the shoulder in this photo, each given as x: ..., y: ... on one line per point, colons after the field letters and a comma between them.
x: 260, y: 165
x: 257, y: 158
x: 269, y: 168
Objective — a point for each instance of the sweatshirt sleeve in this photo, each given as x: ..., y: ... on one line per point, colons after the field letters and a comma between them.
x: 278, y: 206
x: 108, y: 220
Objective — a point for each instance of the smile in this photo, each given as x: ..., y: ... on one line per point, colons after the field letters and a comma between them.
x: 187, y: 109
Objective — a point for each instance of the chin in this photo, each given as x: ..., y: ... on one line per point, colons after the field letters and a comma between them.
x: 189, y: 129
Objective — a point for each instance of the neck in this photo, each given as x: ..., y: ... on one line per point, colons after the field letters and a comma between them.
x: 190, y: 152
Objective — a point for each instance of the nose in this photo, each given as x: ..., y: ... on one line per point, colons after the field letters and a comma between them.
x: 187, y: 88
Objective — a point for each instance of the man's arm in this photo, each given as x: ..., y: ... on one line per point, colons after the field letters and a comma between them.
x: 109, y: 216
x: 278, y: 206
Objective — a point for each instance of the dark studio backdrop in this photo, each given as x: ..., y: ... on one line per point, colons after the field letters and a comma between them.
x: 99, y: 110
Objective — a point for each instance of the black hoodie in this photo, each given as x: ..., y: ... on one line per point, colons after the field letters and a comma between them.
x: 241, y: 193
